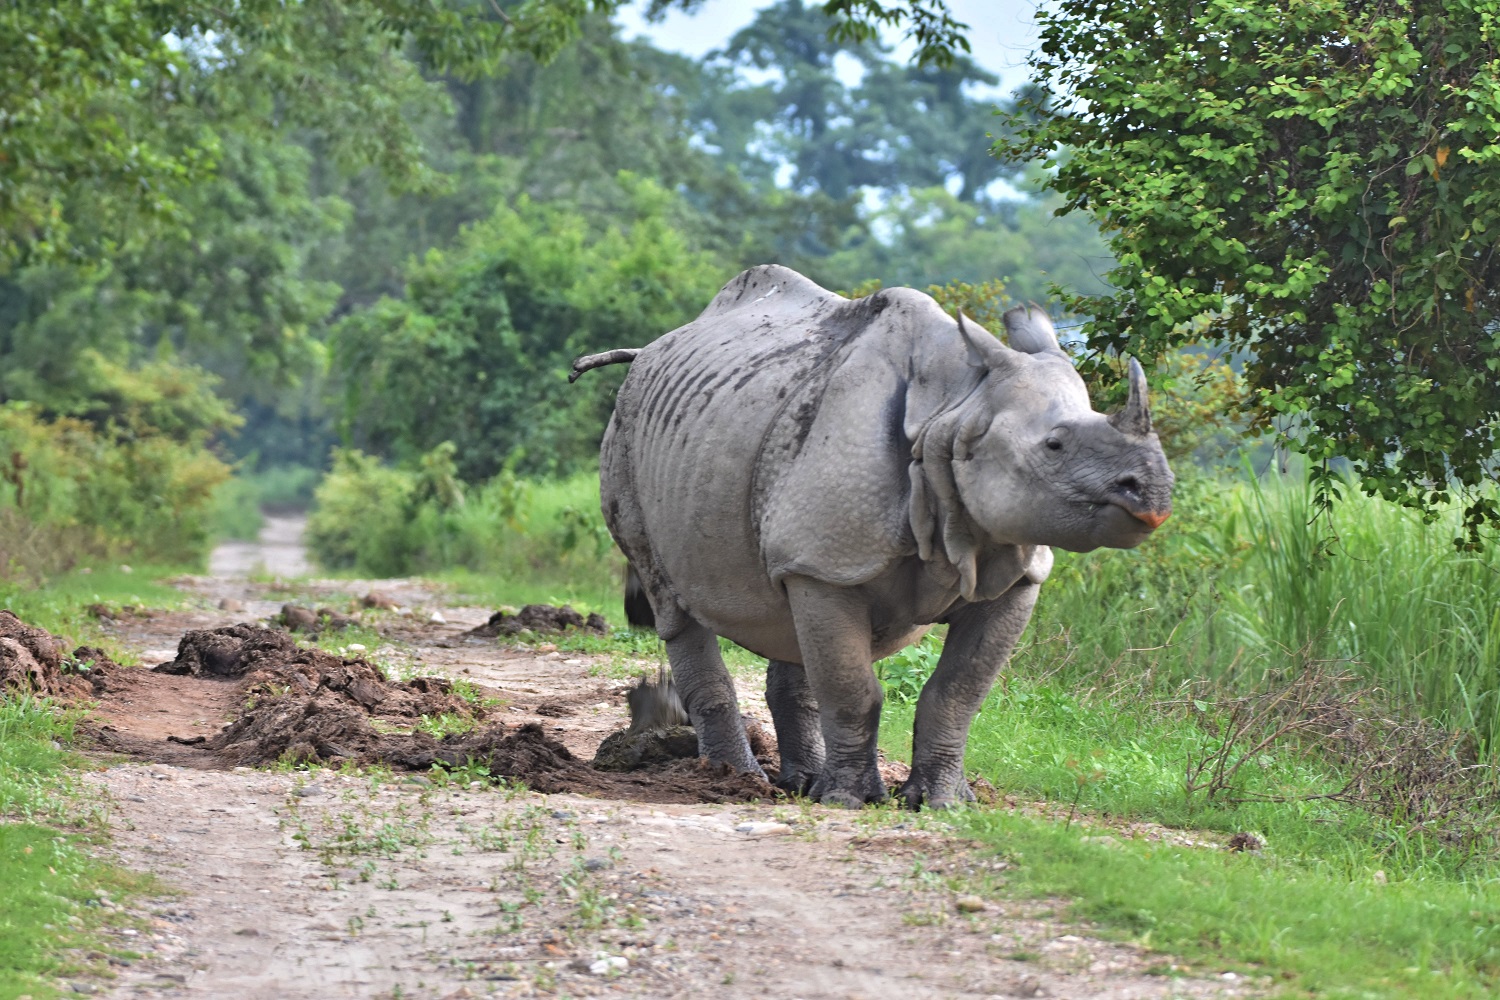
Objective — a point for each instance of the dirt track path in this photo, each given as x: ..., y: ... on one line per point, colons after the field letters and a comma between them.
x: 320, y: 885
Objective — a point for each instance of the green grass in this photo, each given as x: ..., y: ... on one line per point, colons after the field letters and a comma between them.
x: 1123, y: 678
x: 507, y: 541
x: 1315, y: 931
x: 1245, y: 585
x: 61, y: 606
x: 1342, y: 901
x: 50, y: 885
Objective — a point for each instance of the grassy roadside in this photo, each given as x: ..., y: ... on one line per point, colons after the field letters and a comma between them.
x: 55, y: 896
x: 1340, y: 902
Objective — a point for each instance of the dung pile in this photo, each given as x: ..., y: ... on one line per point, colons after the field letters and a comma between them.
x: 540, y: 618
x: 32, y: 661
x: 272, y: 665
x: 660, y: 732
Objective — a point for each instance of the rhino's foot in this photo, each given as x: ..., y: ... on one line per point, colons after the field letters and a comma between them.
x: 849, y: 788
x: 721, y: 738
x: 936, y: 788
x: 796, y: 779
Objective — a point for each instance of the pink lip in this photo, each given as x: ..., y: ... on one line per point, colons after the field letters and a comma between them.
x: 1151, y: 518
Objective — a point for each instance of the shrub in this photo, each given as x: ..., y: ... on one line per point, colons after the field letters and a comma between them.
x: 74, y: 492
x: 546, y: 534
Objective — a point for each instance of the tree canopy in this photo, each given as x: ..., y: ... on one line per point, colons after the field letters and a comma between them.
x: 1316, y: 185
x: 319, y: 213
x: 120, y: 107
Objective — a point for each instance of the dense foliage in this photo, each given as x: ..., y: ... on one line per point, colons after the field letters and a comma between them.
x: 478, y: 351
x: 324, y: 205
x: 123, y: 473
x: 1317, y: 182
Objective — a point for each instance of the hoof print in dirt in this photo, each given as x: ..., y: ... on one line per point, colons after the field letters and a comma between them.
x: 32, y: 662
x: 540, y: 618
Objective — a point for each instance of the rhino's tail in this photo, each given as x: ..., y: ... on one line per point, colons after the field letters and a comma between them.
x: 590, y: 361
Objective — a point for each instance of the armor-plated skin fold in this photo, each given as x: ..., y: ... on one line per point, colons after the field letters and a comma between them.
x: 821, y: 480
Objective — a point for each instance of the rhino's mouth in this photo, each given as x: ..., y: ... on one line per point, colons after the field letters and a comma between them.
x: 1151, y: 515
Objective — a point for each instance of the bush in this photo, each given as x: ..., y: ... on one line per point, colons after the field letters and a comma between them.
x: 547, y: 536
x: 361, y: 517
x: 478, y: 351
x: 72, y: 493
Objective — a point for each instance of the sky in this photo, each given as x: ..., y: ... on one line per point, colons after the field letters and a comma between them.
x: 1001, y: 32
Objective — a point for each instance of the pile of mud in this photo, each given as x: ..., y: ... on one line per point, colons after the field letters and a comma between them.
x: 540, y: 618
x: 309, y: 706
x: 32, y: 661
x: 288, y: 703
x: 272, y: 666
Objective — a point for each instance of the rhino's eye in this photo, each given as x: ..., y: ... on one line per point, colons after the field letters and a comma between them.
x: 1053, y: 444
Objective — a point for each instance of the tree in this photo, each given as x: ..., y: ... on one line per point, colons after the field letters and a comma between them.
x: 478, y: 351
x: 929, y: 236
x: 898, y: 127
x: 1314, y: 183
x: 71, y: 71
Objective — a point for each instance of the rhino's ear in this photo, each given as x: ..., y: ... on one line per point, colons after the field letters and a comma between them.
x: 1135, y: 418
x: 985, y: 351
x: 1030, y: 329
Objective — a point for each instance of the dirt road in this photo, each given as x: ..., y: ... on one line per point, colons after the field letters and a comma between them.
x: 321, y: 884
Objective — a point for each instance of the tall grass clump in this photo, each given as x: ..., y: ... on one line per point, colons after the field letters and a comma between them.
x: 515, y: 539
x: 1249, y: 585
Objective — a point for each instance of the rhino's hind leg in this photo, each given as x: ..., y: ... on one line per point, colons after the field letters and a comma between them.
x: 709, y: 696
x: 980, y: 640
x: 833, y: 630
x: 794, y: 710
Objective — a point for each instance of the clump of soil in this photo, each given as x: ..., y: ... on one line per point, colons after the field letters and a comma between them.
x: 323, y: 730
x: 655, y: 703
x: 629, y: 750
x: 32, y: 662
x: 273, y: 665
x: 298, y: 618
x: 540, y: 618
x: 309, y: 706
x: 651, y: 749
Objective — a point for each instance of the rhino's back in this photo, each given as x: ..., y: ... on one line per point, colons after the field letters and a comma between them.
x: 695, y: 418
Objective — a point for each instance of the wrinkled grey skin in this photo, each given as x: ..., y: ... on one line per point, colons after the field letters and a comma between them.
x: 821, y: 480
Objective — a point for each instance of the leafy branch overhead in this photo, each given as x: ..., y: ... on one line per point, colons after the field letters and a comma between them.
x: 1315, y: 184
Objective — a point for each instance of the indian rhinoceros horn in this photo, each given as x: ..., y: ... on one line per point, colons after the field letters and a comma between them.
x: 1135, y: 418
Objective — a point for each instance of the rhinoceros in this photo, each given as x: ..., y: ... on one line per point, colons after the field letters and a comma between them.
x: 822, y: 480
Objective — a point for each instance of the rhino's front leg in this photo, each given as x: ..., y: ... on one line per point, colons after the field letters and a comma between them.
x: 980, y: 640
x: 799, y: 734
x: 833, y: 631
x: 708, y: 695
